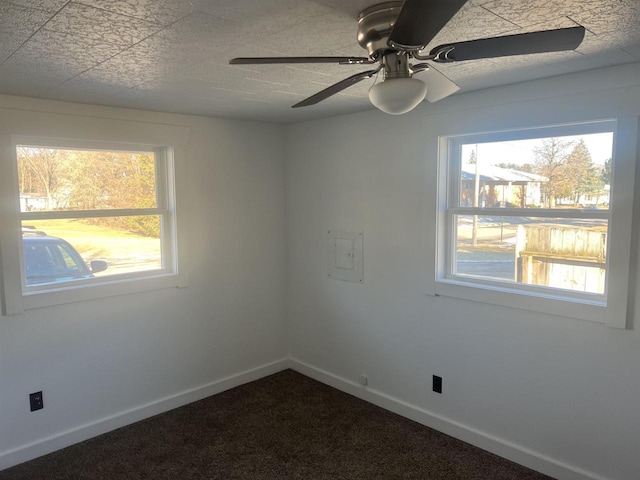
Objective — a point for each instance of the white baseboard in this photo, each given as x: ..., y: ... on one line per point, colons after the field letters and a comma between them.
x: 503, y: 448
x: 127, y: 417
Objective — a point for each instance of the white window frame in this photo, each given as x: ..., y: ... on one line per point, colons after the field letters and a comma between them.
x: 17, y: 297
x: 609, y: 308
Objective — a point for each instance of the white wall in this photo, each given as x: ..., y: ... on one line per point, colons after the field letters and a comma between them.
x: 558, y: 394
x: 105, y: 363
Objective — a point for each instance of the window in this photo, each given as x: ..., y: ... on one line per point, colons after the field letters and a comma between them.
x: 92, y: 216
x: 525, y: 218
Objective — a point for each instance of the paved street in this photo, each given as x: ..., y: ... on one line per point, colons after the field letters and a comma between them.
x: 488, y: 264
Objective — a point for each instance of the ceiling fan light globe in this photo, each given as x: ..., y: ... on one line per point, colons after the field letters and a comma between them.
x: 396, y: 96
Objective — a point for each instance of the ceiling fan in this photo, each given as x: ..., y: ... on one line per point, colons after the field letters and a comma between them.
x: 394, y: 35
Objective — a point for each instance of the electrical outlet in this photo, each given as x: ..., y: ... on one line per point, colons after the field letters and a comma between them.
x: 35, y: 400
x: 364, y: 380
x: 437, y: 384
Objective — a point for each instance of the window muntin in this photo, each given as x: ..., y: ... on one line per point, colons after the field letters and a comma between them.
x: 525, y: 222
x: 109, y: 205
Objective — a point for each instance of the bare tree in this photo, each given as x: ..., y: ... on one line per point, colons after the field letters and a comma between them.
x: 550, y: 162
x: 40, y: 166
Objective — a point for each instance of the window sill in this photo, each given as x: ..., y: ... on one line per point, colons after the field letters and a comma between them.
x: 578, y: 308
x: 105, y: 289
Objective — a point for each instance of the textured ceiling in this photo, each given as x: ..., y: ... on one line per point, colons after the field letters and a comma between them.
x: 172, y: 55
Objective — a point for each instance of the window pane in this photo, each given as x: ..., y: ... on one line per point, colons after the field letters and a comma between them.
x: 567, y: 254
x: 555, y: 172
x: 64, y: 250
x: 67, y: 179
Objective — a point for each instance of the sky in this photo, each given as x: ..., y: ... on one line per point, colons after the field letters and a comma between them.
x: 600, y: 146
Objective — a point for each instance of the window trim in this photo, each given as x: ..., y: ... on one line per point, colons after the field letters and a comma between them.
x: 610, y: 308
x: 169, y: 170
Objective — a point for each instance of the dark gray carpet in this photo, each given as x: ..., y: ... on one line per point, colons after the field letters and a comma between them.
x: 285, y: 426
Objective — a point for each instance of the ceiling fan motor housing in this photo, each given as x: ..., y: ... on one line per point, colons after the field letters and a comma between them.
x: 396, y: 65
x: 374, y: 26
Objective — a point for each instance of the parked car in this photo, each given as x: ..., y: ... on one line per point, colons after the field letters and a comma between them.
x: 51, y: 259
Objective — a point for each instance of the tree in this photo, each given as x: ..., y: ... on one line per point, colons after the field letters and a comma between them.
x: 473, y: 159
x: 525, y: 167
x: 114, y: 180
x: 40, y: 170
x: 582, y: 175
x: 93, y: 180
x: 550, y: 162
x: 605, y: 175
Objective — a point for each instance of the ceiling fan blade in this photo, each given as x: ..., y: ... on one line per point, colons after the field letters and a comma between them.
x: 336, y: 88
x: 439, y: 86
x: 421, y: 20
x: 519, y: 44
x: 268, y: 60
